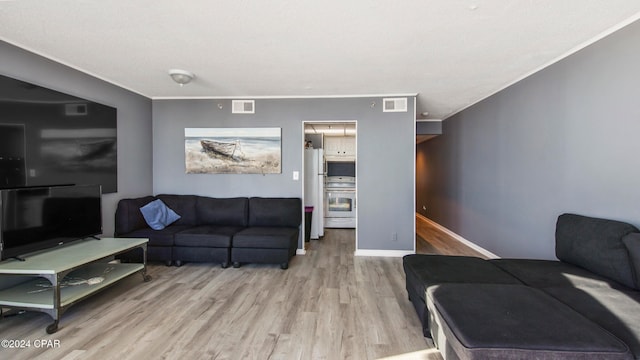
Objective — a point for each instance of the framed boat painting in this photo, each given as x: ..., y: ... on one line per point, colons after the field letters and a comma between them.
x: 233, y: 150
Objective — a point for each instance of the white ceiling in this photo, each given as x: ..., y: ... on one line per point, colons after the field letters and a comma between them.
x: 452, y: 53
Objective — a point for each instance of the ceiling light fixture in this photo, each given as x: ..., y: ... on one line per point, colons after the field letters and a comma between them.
x: 182, y: 77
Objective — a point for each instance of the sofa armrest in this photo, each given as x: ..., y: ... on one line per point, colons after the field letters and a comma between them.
x: 596, y: 245
x: 275, y: 212
x: 128, y: 215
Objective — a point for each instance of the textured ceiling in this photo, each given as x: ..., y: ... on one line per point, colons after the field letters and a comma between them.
x: 452, y: 53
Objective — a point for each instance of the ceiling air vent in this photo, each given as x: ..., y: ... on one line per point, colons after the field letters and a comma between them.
x: 243, y: 107
x: 394, y: 105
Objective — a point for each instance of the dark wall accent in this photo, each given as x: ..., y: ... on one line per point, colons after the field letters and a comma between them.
x: 562, y: 140
x: 423, y: 177
x: 55, y: 138
x: 428, y: 127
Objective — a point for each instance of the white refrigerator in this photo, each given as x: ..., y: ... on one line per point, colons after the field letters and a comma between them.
x: 314, y: 189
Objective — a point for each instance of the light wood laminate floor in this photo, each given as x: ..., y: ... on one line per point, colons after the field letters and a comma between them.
x: 327, y: 305
x: 431, y: 240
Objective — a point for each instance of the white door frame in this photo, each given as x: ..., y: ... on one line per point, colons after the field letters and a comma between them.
x: 302, y: 251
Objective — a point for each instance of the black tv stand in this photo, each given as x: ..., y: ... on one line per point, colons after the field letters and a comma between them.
x: 19, y: 258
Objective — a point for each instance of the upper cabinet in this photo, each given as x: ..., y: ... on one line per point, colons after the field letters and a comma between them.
x: 340, y: 146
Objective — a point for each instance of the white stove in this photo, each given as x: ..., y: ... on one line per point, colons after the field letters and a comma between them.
x: 340, y: 202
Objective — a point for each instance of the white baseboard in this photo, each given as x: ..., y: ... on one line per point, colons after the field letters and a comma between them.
x: 301, y: 252
x: 383, y: 253
x: 459, y: 238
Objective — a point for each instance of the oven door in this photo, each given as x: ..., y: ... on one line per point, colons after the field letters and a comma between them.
x: 340, y: 203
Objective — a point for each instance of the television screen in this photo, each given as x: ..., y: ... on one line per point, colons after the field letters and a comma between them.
x: 51, y: 138
x: 42, y: 217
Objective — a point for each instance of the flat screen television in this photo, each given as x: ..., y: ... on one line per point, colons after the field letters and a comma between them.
x: 51, y: 138
x: 37, y: 218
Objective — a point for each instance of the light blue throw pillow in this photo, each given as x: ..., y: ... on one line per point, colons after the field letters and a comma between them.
x: 158, y: 215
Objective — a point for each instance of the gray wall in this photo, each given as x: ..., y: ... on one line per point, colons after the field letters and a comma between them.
x: 385, y: 157
x: 134, y: 119
x: 151, y: 152
x: 134, y: 122
x: 562, y: 140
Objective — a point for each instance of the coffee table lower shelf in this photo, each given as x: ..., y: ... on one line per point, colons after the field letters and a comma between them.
x: 53, y: 292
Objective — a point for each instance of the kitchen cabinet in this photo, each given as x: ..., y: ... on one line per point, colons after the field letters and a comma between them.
x: 340, y: 146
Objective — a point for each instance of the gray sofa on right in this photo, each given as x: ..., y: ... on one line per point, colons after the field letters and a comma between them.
x: 584, y: 306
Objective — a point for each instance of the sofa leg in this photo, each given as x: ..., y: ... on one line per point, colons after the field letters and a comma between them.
x: 284, y: 266
x: 224, y: 264
x: 167, y: 262
x: 236, y: 264
x: 178, y: 263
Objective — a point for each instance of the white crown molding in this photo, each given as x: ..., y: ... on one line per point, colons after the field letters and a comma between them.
x: 70, y: 66
x: 564, y: 55
x: 264, y: 97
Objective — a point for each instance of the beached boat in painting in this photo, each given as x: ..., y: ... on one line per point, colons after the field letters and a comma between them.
x: 228, y: 149
x: 233, y: 150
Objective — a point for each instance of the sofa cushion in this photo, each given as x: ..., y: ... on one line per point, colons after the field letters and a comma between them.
x: 183, y: 205
x: 632, y: 242
x: 200, y: 254
x: 266, y: 238
x: 228, y: 212
x: 164, y: 237
x: 596, y: 245
x: 550, y: 273
x: 423, y: 271
x: 614, y: 310
x: 158, y: 215
x: 275, y: 212
x: 206, y: 236
x: 128, y: 215
x: 492, y: 321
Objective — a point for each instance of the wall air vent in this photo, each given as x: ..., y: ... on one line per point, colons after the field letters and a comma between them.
x: 394, y: 105
x: 243, y: 107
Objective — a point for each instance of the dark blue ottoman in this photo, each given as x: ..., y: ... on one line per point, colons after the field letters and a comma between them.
x: 422, y: 271
x: 488, y: 321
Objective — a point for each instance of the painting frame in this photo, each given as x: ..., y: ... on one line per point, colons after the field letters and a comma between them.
x: 233, y: 150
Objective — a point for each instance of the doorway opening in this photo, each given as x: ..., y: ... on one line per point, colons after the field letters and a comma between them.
x: 329, y: 177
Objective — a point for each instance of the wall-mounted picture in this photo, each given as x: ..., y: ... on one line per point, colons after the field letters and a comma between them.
x: 233, y: 150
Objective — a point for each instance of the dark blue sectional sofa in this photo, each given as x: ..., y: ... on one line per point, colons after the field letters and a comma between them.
x: 584, y: 306
x: 225, y: 230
